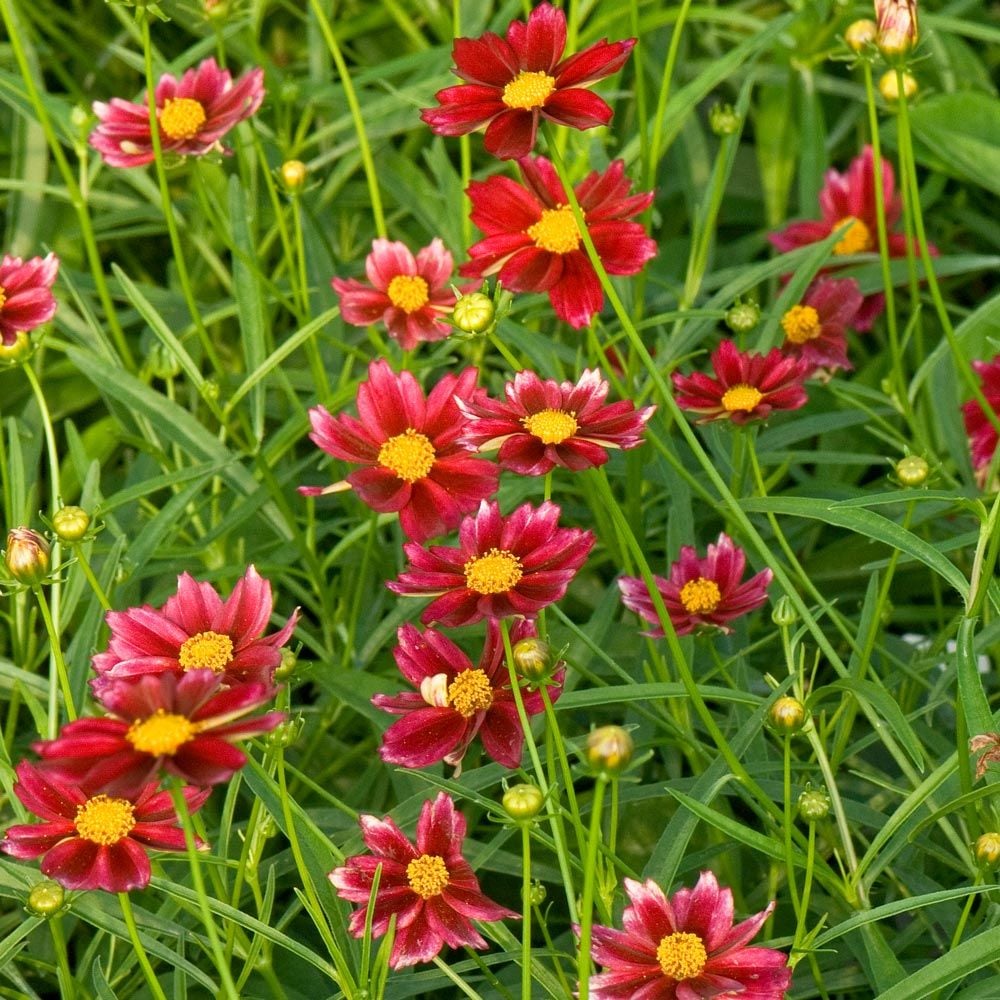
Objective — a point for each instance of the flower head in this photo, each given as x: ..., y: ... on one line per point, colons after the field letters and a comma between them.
x: 746, y: 386
x: 510, y: 83
x: 196, y: 629
x: 27, y: 556
x: 544, y: 424
x: 700, y: 592
x: 897, y: 26
x: 408, y: 445
x: 816, y: 328
x: 685, y: 948
x: 90, y: 839
x: 503, y: 566
x: 429, y: 887
x: 533, y: 243
x: 982, y: 433
x: 26, y: 295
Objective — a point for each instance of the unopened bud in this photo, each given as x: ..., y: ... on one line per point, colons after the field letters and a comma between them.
x: 46, y: 898
x: 784, y: 614
x: 987, y: 850
x: 860, y: 34
x: 743, y: 317
x: 533, y: 659
x: 537, y: 894
x: 912, y: 470
x: 787, y: 715
x: 888, y: 85
x: 286, y: 667
x: 814, y: 805
x: 70, y: 524
x: 609, y: 749
x: 293, y: 173
x: 723, y: 119
x: 14, y: 354
x: 286, y: 733
x: 523, y: 802
x: 162, y: 363
x: 27, y: 556
x: 474, y: 312
x: 897, y: 26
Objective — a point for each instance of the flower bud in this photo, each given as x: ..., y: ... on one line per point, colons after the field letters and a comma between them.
x: 787, y: 715
x: 14, y: 354
x: 70, y: 524
x: 897, y: 26
x: 987, y: 850
x: 912, y: 470
x: 286, y: 733
x: 533, y: 659
x: 784, y: 614
x: 286, y: 667
x: 162, y: 363
x: 742, y: 317
x: 46, y: 898
x: 723, y: 119
x: 523, y: 802
x: 888, y: 86
x: 537, y: 894
x: 814, y: 805
x: 860, y: 34
x: 609, y: 749
x: 293, y: 173
x: 27, y: 556
x: 473, y: 312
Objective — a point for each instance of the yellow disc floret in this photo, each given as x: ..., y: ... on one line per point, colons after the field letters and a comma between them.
x: 528, y: 90
x: 104, y: 820
x: 161, y: 733
x: 857, y: 238
x: 556, y: 231
x: 408, y: 292
x: 741, y: 397
x: 409, y: 455
x: 551, y: 426
x: 682, y: 955
x: 3, y: 296
x: 801, y: 323
x: 181, y: 117
x: 427, y: 875
x: 206, y: 651
x: 494, y: 572
x: 700, y: 596
x: 470, y: 692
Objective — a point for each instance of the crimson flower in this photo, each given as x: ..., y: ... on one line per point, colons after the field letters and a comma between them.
x: 685, y: 948
x: 746, y: 387
x: 533, y: 243
x: 94, y: 841
x: 196, y: 629
x: 544, y: 424
x: 982, y: 433
x: 503, y: 566
x: 456, y: 701
x: 409, y: 294
x: 413, y: 461
x: 193, y: 114
x: 430, y: 888
x: 26, y: 294
x: 700, y: 592
x: 816, y: 328
x: 511, y: 83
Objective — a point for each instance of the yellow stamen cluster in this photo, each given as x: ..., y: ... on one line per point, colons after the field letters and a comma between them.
x: 409, y: 455
x: 206, y: 651
x: 556, y: 231
x: 3, y: 296
x: 857, y: 238
x: 528, y: 90
x: 408, y: 292
x: 162, y: 733
x: 104, y: 820
x: 494, y: 572
x: 741, y: 397
x: 801, y: 323
x: 700, y: 596
x: 427, y: 875
x: 551, y: 426
x: 181, y: 117
x: 681, y: 955
x: 470, y: 692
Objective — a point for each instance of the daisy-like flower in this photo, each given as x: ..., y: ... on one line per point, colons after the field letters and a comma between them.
x: 503, y: 566
x: 429, y: 887
x: 982, y: 433
x: 533, y: 244
x: 409, y: 294
x: 700, y: 593
x: 26, y: 294
x: 456, y: 701
x: 544, y: 424
x: 184, y: 725
x: 92, y: 840
x: 196, y: 629
x: 746, y: 386
x: 685, y: 948
x: 193, y: 114
x: 511, y: 83
x: 409, y: 447
x: 816, y: 328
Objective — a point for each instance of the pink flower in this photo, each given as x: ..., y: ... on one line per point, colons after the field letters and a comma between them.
x: 26, y: 294
x: 193, y: 114
x: 685, y: 948
x: 816, y: 328
x: 982, y: 433
x: 430, y: 888
x: 410, y: 295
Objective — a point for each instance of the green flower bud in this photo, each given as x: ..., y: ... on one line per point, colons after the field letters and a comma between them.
x: 987, y: 850
x: 286, y: 733
x: 71, y: 524
x: 912, y: 471
x: 537, y: 894
x: 723, y: 119
x: 609, y: 749
x: 27, y: 556
x: 162, y: 363
x: 814, y: 805
x: 533, y: 659
x: 286, y: 668
x: 14, y: 354
x: 742, y: 317
x: 474, y: 312
x: 523, y: 802
x: 787, y: 715
x: 46, y: 898
x: 784, y: 614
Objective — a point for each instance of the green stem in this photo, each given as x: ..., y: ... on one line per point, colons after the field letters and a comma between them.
x: 456, y: 979
x: 800, y: 925
x: 589, y: 880
x: 66, y: 976
x: 61, y: 679
x: 567, y: 775
x: 789, y: 814
x: 88, y: 572
x: 140, y: 952
x: 525, y: 911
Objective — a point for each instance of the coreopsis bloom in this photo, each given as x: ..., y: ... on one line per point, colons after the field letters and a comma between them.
x: 533, y: 244
x: 544, y: 424
x: 196, y: 629
x: 897, y: 26
x: 193, y: 114
x: 685, y: 948
x: 429, y: 887
x: 455, y: 701
x: 27, y: 556
x: 26, y: 294
x: 746, y: 386
x: 511, y: 83
x: 503, y: 566
x: 700, y: 593
x: 408, y: 445
x: 185, y: 726
x: 816, y: 328
x: 982, y: 433
x: 92, y: 840
x: 411, y: 295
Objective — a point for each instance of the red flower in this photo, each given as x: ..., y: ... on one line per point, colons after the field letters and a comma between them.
x: 685, y: 948
x: 193, y: 114
x: 746, y: 386
x: 544, y: 424
x: 429, y: 888
x: 94, y: 841
x: 456, y: 701
x: 196, y: 629
x: 184, y: 725
x: 503, y: 566
x: 700, y: 592
x: 25, y: 294
x: 532, y: 239
x: 815, y: 330
x: 410, y: 295
x: 409, y: 447
x: 982, y: 434
x: 510, y: 84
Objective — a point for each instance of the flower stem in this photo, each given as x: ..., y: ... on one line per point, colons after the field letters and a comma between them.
x: 61, y: 678
x: 567, y: 774
x: 525, y: 910
x: 88, y: 572
x: 152, y: 982
x: 589, y: 880
x: 67, y: 981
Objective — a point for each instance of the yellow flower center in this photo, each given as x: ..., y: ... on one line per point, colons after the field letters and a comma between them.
x: 551, y: 426
x: 556, y: 230
x: 206, y: 651
x: 470, y: 692
x: 408, y: 292
x: 3, y: 296
x: 427, y: 875
x: 493, y: 572
x: 681, y: 955
x: 857, y: 239
x: 528, y: 90
x: 104, y: 820
x: 409, y: 455
x: 161, y: 733
x: 801, y: 323
x: 699, y: 596
x: 181, y: 117
x: 741, y: 397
